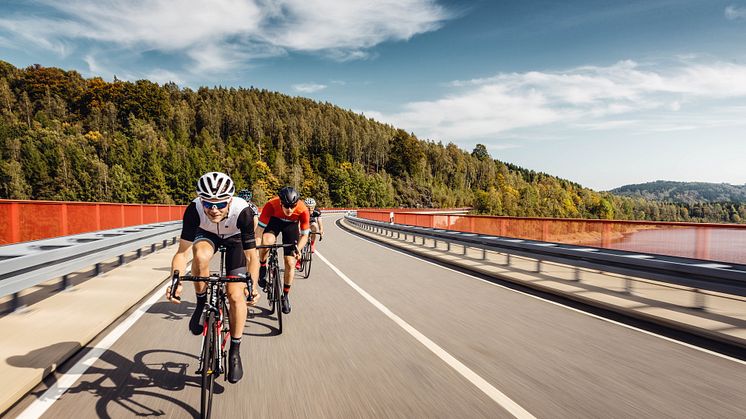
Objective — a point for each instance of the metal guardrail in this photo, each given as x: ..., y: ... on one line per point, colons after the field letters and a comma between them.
x: 27, y: 264
x: 693, y: 273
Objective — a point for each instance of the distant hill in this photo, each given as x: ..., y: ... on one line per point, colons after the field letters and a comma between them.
x: 684, y: 192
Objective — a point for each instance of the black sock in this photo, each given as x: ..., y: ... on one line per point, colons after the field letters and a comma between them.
x: 235, y: 344
x: 194, y: 323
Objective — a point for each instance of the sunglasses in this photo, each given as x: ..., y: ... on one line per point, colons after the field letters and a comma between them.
x: 290, y: 207
x: 217, y: 205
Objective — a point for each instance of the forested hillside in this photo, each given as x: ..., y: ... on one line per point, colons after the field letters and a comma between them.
x: 63, y: 137
x: 685, y: 192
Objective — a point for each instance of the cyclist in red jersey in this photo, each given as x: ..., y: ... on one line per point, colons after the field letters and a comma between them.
x: 284, y: 214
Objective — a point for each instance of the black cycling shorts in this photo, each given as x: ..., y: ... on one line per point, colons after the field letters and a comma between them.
x: 235, y: 260
x: 289, y: 229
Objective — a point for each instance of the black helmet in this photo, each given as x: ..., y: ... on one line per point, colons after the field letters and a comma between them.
x: 245, y: 194
x: 288, y: 196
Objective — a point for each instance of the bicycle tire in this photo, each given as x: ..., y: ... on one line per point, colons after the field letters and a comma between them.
x: 278, y: 292
x: 208, y: 367
x: 271, y: 298
x: 307, y: 267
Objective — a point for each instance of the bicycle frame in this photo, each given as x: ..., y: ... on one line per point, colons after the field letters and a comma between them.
x: 215, y: 330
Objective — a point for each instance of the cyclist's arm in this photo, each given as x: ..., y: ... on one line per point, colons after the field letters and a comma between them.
x: 304, y: 223
x: 190, y: 223
x: 321, y: 225
x: 189, y: 226
x: 248, y: 240
x: 264, y: 217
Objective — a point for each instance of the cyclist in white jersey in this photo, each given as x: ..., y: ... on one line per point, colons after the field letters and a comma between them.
x: 213, y: 219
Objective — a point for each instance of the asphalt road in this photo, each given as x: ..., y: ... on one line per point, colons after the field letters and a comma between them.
x: 403, y: 338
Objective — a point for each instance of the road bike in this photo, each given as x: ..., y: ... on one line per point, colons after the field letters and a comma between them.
x: 306, y: 256
x: 216, y: 328
x: 274, y: 282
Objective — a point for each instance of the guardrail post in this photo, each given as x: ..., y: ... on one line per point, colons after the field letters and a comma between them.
x: 448, y: 246
x: 538, y: 265
x: 507, y: 259
x: 152, y: 248
x: 699, y: 299
x: 97, y: 269
x: 627, y: 286
x: 65, y: 282
x: 165, y: 243
x: 463, y: 251
x: 121, y: 260
x: 15, y: 302
x: 484, y: 254
x: 139, y: 253
x: 577, y: 274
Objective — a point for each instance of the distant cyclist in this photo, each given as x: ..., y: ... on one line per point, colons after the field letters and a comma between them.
x: 316, y: 225
x: 284, y: 214
x: 213, y: 219
x: 246, y: 195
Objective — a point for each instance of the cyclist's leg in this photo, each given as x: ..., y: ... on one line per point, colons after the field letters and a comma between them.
x: 268, y: 238
x: 314, y: 229
x: 290, y: 235
x: 235, y: 266
x: 204, y: 248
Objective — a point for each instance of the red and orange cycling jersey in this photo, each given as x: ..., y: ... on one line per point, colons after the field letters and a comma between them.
x: 273, y: 208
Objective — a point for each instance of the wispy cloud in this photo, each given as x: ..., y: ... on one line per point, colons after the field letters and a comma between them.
x: 220, y: 35
x: 309, y: 87
x: 588, y: 98
x: 734, y: 12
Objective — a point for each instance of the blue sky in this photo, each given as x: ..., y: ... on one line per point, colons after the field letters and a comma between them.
x: 604, y: 93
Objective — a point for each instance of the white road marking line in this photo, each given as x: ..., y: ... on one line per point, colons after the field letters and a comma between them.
x: 707, y: 351
x: 503, y: 400
x: 40, y: 405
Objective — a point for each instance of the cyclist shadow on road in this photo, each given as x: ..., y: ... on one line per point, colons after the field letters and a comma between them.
x: 171, y: 311
x: 261, y: 318
x: 147, y: 385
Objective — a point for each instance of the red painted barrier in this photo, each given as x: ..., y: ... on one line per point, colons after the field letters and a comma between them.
x: 715, y: 242
x: 35, y: 220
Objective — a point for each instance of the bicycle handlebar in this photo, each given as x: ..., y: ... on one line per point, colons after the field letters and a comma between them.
x: 276, y: 246
x: 213, y: 279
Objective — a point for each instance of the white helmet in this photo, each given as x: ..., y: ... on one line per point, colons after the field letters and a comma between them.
x: 310, y: 202
x: 215, y: 185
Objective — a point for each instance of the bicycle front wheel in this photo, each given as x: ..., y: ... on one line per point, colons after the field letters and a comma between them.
x: 278, y: 294
x: 208, y: 366
x: 307, y: 265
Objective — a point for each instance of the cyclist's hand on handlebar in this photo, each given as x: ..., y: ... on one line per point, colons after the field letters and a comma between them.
x: 174, y: 295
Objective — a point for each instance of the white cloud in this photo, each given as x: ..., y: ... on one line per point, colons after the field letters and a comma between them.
x: 309, y: 87
x: 222, y: 34
x: 589, y: 98
x: 734, y: 12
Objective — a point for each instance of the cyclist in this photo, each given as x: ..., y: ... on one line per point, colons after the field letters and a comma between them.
x: 246, y: 195
x: 213, y: 219
x: 284, y: 214
x: 316, y: 225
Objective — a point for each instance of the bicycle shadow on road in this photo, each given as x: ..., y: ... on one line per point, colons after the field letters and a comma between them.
x: 147, y: 385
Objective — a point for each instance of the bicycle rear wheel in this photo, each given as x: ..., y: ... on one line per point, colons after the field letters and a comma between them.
x: 208, y: 366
